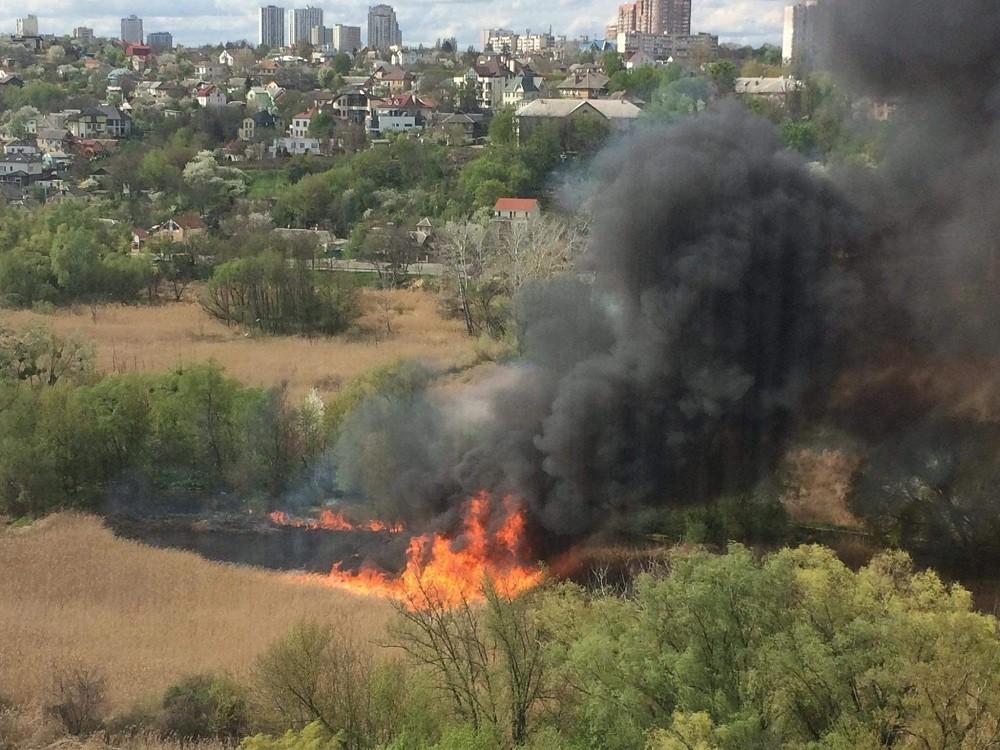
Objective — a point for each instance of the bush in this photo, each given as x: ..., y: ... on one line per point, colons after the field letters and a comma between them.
x: 78, y: 700
x: 313, y: 736
x: 205, y: 707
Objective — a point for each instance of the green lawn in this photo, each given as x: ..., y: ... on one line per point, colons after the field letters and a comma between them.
x: 267, y: 183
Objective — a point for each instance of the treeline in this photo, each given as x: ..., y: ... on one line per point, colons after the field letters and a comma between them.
x: 272, y: 294
x: 792, y: 651
x: 184, y: 438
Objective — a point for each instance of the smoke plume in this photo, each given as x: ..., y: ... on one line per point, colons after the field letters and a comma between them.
x: 677, y: 375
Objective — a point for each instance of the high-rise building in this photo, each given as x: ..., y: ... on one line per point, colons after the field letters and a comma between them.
x: 27, y: 26
x: 160, y: 41
x: 132, y: 29
x: 271, y: 26
x: 383, y: 29
x: 299, y: 22
x: 83, y: 34
x: 807, y: 26
x: 346, y: 38
x: 321, y: 36
x: 655, y: 17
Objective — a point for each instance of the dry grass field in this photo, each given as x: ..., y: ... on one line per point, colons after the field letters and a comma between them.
x: 73, y: 593
x: 153, y: 339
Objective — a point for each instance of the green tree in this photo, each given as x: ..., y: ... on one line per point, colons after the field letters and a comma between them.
x: 723, y: 74
x: 342, y: 64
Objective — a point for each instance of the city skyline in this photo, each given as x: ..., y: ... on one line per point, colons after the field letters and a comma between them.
x: 195, y: 22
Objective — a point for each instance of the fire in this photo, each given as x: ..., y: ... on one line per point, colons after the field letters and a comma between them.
x: 330, y: 520
x: 449, y: 576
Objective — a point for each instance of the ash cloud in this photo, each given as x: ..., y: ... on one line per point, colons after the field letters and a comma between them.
x: 714, y: 318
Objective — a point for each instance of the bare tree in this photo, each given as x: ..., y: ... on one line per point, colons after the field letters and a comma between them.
x: 540, y: 248
x: 488, y: 658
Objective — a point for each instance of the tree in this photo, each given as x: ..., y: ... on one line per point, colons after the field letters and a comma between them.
x: 342, y: 64
x: 210, y: 186
x: 37, y: 356
x: 723, y: 74
x: 503, y: 127
x: 611, y: 63
x: 315, y: 674
x: 488, y: 662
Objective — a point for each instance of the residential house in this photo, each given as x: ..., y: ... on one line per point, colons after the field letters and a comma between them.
x: 253, y: 123
x: 226, y: 58
x: 619, y: 114
x: 180, y: 228
x: 211, y: 70
x: 352, y: 104
x: 21, y: 147
x: 516, y: 209
x: 210, y: 95
x: 520, y: 89
x: 20, y: 168
x: 55, y: 141
x: 489, y: 81
x: 300, y: 123
x: 259, y: 98
x: 585, y: 85
x: 392, y: 80
x: 386, y: 118
x: 296, y: 146
x: 775, y: 90
x: 100, y: 122
x: 459, y: 128
x: 10, y: 81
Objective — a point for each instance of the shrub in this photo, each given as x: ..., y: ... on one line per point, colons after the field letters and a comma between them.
x: 205, y: 707
x: 78, y: 700
x: 313, y: 736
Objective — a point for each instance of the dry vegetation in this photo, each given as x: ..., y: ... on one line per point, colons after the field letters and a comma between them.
x: 71, y: 592
x: 153, y: 339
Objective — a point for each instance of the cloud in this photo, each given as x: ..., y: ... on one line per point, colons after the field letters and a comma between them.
x: 194, y: 22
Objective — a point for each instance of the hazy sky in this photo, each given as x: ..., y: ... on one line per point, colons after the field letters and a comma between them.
x: 202, y: 21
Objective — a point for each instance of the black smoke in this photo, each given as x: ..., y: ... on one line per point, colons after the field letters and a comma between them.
x: 932, y: 205
x: 714, y: 321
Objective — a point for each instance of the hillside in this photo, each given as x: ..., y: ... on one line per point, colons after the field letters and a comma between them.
x: 71, y: 592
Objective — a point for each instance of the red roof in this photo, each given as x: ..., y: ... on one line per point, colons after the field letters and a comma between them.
x: 307, y: 115
x: 140, y: 232
x: 205, y: 90
x: 138, y: 50
x: 519, y: 205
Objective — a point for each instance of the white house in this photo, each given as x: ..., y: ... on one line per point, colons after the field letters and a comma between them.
x: 516, y: 209
x: 296, y: 146
x: 210, y: 95
x: 226, y: 58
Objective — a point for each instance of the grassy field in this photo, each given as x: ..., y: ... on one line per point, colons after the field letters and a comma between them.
x: 153, y: 339
x: 72, y: 593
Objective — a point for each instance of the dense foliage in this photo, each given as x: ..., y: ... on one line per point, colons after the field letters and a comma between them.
x: 790, y: 651
x: 66, y: 253
x: 73, y: 441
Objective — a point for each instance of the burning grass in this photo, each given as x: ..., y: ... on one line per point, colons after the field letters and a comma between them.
x: 71, y: 592
x: 450, y: 571
x: 153, y: 339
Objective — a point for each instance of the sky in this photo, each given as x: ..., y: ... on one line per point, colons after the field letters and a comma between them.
x: 195, y: 22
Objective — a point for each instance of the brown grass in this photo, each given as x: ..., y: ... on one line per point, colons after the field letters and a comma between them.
x: 71, y: 592
x: 156, y: 338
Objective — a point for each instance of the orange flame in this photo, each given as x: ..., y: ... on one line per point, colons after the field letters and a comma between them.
x: 436, y: 571
x: 330, y: 520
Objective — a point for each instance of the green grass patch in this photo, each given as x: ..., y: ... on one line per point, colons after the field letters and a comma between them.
x: 267, y: 183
